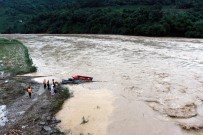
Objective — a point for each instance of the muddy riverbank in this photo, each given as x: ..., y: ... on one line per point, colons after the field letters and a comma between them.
x: 149, y: 85
x: 30, y: 116
x: 20, y: 114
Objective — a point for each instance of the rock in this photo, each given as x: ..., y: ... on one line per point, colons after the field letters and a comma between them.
x: 44, y: 116
x: 43, y: 107
x: 58, y: 121
x: 47, y: 128
x: 42, y: 123
x: 52, y: 125
x: 20, y: 113
x: 6, y: 81
x: 24, y: 126
x: 49, y: 118
x: 54, y: 119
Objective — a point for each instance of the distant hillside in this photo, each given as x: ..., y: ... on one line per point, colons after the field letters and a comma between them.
x: 132, y: 17
x: 17, y: 12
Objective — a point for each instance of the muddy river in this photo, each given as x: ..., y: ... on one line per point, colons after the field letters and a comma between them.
x: 143, y: 86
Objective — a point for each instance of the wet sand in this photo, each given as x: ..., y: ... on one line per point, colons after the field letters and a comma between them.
x: 145, y: 85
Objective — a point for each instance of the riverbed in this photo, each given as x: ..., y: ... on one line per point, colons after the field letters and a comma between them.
x: 142, y: 85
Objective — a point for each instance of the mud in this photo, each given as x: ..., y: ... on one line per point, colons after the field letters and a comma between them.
x: 154, y: 84
x: 95, y: 107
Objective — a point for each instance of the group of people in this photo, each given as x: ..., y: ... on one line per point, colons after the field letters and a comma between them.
x: 46, y: 85
x: 52, y: 88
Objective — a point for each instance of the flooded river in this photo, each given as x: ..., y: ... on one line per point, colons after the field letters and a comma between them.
x: 142, y: 85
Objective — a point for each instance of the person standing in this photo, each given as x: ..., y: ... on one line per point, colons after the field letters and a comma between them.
x: 29, y: 91
x: 48, y: 85
x: 45, y: 84
x: 53, y: 82
x: 52, y: 89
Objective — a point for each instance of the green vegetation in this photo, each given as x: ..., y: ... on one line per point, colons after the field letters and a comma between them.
x: 14, y: 58
x: 59, y: 98
x: 183, y: 18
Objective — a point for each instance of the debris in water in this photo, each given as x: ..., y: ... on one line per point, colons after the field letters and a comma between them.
x: 84, y: 121
x: 187, y: 111
x: 188, y: 126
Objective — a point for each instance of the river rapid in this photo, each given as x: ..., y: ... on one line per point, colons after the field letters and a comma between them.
x: 143, y: 86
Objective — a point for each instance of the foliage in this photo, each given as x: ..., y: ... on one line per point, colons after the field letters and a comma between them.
x: 60, y: 97
x: 15, y: 58
x: 131, y: 17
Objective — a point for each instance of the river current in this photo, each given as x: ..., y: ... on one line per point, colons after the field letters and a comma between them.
x: 142, y: 85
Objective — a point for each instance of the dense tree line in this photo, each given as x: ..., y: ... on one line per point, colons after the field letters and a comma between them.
x: 148, y: 21
x: 182, y: 18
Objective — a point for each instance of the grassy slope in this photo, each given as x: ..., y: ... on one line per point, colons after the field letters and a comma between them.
x: 14, y: 57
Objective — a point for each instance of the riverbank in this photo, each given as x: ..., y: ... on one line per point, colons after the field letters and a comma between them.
x: 14, y: 60
x: 36, y: 115
x: 19, y: 113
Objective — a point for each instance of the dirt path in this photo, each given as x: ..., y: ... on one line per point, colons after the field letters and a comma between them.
x: 21, y: 105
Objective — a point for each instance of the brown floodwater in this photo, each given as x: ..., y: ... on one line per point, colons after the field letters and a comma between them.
x: 143, y: 85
